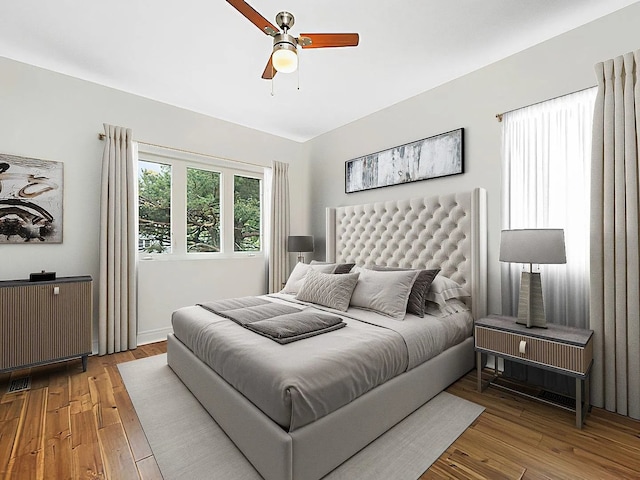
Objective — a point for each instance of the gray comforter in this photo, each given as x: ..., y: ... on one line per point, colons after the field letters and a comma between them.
x: 278, y: 322
x: 298, y: 383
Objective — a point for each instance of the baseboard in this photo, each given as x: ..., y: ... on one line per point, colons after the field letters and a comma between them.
x: 152, y: 336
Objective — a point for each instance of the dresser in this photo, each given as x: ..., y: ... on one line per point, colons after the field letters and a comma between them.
x: 558, y: 348
x: 45, y: 322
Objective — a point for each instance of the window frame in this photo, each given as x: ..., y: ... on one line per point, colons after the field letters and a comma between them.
x: 180, y: 161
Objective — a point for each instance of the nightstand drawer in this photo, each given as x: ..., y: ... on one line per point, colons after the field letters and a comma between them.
x: 571, y: 358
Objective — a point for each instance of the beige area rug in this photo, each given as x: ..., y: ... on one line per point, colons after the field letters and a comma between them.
x: 189, y: 444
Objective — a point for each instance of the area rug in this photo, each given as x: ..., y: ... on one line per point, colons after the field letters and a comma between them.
x: 187, y: 442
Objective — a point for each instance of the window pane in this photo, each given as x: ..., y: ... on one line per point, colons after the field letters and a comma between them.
x: 246, y: 214
x: 154, y: 213
x: 203, y: 211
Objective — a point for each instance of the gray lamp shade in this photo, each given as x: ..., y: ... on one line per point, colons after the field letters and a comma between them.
x: 300, y: 243
x: 540, y: 246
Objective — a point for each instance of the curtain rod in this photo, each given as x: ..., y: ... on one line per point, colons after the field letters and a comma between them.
x: 499, y: 115
x: 102, y: 136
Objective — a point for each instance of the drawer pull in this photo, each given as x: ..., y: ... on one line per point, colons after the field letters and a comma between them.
x: 523, y: 347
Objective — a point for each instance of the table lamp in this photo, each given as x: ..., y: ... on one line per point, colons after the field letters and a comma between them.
x: 539, y: 246
x: 300, y: 244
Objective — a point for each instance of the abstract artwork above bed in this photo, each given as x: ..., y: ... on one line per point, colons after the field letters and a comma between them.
x: 437, y: 156
x: 30, y: 200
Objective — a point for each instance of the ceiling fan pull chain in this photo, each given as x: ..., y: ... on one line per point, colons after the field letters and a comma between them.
x: 298, y: 74
x: 272, y: 94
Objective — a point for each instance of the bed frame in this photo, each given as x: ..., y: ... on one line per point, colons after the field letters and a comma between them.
x: 446, y: 231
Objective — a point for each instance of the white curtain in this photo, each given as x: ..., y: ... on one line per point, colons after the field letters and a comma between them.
x: 546, y: 152
x: 279, y: 227
x: 117, y: 320
x: 615, y: 282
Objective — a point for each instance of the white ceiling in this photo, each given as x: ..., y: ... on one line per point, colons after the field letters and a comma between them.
x: 204, y: 56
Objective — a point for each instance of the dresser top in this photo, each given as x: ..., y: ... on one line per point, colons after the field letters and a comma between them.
x: 27, y: 282
x: 553, y: 332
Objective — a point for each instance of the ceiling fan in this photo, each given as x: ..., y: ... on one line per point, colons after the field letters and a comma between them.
x: 284, y: 57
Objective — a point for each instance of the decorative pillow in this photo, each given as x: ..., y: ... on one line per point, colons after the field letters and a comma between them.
x: 384, y: 292
x: 296, y: 278
x: 443, y: 288
x: 333, y: 291
x: 451, y: 306
x: 340, y: 267
x: 417, y: 297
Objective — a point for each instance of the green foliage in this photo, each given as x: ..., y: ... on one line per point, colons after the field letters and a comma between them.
x: 246, y: 214
x: 203, y: 210
x: 154, y: 212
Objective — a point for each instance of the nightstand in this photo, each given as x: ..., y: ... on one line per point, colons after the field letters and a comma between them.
x: 561, y: 349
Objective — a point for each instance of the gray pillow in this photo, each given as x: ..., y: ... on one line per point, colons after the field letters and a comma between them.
x: 384, y: 292
x: 418, y: 295
x: 333, y: 291
x: 340, y: 267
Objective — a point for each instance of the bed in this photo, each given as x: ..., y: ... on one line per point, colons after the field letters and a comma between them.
x: 446, y: 232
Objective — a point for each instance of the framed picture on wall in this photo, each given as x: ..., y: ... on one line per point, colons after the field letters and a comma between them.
x: 433, y: 157
x: 30, y: 200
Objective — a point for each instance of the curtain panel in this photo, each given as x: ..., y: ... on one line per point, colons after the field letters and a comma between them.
x: 546, y: 151
x: 615, y: 282
x: 117, y: 311
x: 279, y: 227
x: 545, y: 184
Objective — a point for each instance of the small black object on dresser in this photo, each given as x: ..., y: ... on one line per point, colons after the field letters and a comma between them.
x: 42, y: 276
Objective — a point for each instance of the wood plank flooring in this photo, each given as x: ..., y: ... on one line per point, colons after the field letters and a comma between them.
x: 75, y: 425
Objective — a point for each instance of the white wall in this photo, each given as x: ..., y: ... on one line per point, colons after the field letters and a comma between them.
x: 55, y: 117
x: 557, y: 67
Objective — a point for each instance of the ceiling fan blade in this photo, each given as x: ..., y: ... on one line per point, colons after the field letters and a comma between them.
x: 254, y: 17
x: 269, y: 70
x: 325, y: 40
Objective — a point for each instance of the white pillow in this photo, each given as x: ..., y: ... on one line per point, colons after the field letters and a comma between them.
x: 450, y: 307
x: 326, y: 289
x: 296, y: 278
x: 443, y: 288
x: 386, y: 292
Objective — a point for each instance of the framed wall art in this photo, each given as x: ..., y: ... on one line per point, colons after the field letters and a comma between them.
x: 433, y: 157
x: 30, y: 200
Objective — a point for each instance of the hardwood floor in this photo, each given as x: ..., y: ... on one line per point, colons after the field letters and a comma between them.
x: 75, y: 425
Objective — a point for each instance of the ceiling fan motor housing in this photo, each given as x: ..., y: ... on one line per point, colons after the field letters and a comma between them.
x: 284, y: 40
x: 285, y: 20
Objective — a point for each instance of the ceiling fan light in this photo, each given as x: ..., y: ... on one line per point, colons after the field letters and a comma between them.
x: 285, y: 58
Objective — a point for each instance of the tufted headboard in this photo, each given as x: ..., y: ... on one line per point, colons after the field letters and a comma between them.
x: 444, y: 231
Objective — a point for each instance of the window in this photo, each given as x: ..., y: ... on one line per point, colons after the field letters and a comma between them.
x: 191, y: 204
x: 246, y: 214
x: 546, y: 153
x: 154, y: 207
x: 203, y: 210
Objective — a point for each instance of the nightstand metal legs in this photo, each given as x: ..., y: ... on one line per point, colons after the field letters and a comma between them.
x: 582, y: 408
x: 479, y: 370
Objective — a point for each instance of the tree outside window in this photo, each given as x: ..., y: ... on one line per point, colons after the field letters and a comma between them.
x: 154, y: 211
x: 201, y: 224
x: 246, y: 214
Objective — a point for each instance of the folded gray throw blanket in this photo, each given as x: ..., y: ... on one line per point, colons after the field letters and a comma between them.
x: 278, y: 322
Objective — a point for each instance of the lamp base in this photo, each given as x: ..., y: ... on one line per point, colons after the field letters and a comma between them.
x: 300, y: 257
x: 530, y: 303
